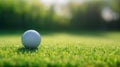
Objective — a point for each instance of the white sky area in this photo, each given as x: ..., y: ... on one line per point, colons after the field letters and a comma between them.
x: 109, y: 15
x: 62, y: 10
x: 60, y: 5
x: 49, y: 2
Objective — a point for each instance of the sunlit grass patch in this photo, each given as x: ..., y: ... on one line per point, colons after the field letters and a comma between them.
x: 63, y: 49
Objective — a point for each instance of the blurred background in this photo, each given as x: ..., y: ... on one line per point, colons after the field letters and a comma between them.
x: 60, y: 14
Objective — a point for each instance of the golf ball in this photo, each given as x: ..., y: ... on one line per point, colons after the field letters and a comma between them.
x: 31, y: 39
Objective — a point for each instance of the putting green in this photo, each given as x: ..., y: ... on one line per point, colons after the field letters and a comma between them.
x: 63, y: 49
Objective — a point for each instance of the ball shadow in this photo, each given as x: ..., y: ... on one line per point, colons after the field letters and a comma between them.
x: 26, y: 50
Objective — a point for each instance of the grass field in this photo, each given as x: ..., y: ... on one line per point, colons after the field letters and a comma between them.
x: 83, y: 49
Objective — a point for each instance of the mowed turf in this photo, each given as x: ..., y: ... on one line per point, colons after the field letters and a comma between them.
x: 61, y: 49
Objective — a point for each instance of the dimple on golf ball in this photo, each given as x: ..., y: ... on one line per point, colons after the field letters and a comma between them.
x: 31, y: 39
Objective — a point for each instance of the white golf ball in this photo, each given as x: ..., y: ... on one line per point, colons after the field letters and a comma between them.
x: 31, y: 39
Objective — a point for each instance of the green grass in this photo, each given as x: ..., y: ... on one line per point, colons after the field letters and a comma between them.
x: 87, y: 49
